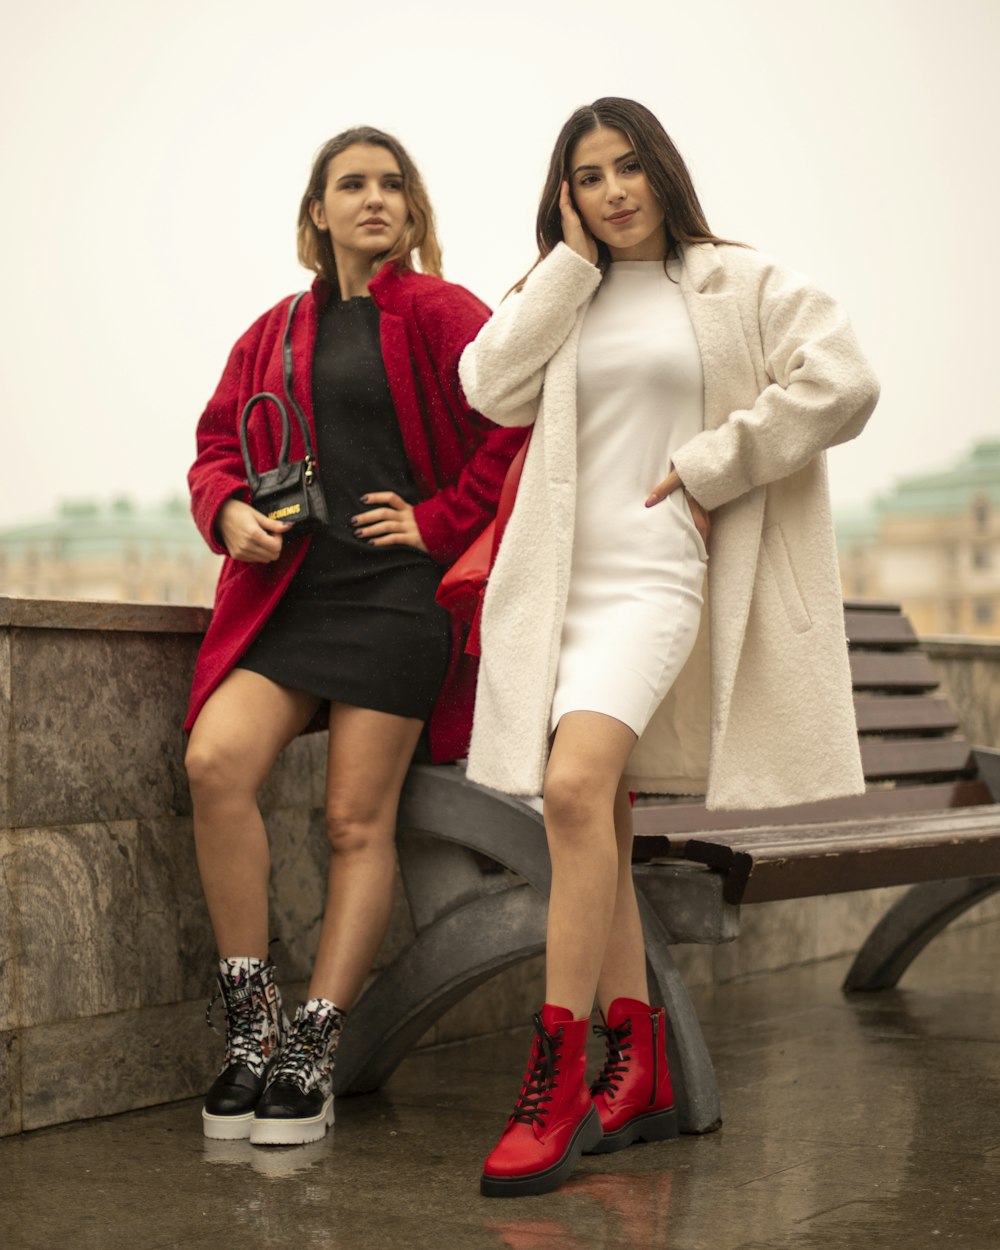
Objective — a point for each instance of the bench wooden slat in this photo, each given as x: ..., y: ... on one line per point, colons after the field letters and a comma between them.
x: 884, y: 758
x: 892, y: 713
x: 766, y: 864
x: 873, y: 605
x: 892, y: 670
x: 674, y: 820
x: 879, y: 628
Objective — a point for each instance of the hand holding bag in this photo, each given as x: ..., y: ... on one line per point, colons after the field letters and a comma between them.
x: 291, y: 491
x: 463, y: 585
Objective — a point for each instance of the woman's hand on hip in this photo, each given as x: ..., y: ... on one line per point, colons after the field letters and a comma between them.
x: 702, y: 519
x: 575, y: 233
x: 248, y: 535
x: 389, y: 525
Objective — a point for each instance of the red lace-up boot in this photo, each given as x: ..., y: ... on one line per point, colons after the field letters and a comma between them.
x: 633, y: 1094
x: 554, y: 1121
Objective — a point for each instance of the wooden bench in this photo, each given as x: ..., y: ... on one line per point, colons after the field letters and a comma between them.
x: 476, y: 872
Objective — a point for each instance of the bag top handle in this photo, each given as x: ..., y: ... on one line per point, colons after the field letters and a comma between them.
x: 288, y: 366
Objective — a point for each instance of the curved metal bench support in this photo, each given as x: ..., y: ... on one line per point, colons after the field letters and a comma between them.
x: 908, y: 926
x: 696, y: 1091
x: 445, y: 962
x: 472, y: 924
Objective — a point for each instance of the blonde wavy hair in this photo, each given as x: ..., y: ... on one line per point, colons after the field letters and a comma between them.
x: 419, y: 234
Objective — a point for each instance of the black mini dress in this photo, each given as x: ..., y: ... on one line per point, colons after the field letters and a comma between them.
x: 358, y: 624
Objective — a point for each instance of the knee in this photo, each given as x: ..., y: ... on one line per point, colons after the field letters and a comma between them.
x: 351, y: 830
x: 575, y: 804
x: 212, y: 770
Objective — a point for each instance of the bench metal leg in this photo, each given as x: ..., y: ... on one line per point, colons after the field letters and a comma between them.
x: 909, y: 925
x: 696, y: 1091
x: 445, y: 961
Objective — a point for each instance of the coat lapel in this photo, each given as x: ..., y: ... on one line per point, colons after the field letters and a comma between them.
x: 727, y: 367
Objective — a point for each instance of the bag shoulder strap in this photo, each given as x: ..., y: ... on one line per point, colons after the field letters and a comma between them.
x: 288, y: 365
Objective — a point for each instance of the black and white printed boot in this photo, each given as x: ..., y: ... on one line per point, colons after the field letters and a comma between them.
x: 255, y: 1027
x: 297, y: 1105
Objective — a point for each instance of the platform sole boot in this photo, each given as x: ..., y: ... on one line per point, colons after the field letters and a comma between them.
x: 633, y: 1095
x: 554, y: 1121
x: 297, y: 1104
x: 255, y: 1026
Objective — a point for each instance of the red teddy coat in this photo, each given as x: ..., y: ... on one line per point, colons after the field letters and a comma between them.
x: 457, y: 456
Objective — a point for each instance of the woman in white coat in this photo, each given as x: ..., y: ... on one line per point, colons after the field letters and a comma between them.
x: 680, y: 387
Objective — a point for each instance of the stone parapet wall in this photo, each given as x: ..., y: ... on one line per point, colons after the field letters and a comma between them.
x: 969, y: 669
x: 106, y: 954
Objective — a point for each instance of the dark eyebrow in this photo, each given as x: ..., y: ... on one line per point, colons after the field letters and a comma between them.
x: 386, y: 174
x: 617, y: 161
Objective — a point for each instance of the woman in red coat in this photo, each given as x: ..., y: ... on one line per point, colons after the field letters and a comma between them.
x: 341, y: 623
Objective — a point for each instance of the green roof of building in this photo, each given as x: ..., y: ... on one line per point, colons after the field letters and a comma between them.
x: 953, y: 490
x: 87, y: 527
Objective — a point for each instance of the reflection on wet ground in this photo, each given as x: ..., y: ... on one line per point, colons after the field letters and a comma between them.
x: 870, y: 1121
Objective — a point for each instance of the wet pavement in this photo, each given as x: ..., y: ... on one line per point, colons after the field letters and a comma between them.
x: 872, y: 1121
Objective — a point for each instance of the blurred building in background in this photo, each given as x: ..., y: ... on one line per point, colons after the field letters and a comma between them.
x: 112, y: 551
x: 932, y: 544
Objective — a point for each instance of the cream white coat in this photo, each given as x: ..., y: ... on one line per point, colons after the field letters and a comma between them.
x: 762, y: 714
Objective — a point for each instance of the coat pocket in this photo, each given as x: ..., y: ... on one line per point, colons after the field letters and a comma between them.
x: 774, y: 552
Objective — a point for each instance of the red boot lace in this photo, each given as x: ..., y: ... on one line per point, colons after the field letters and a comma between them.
x: 616, y: 1063
x: 540, y: 1078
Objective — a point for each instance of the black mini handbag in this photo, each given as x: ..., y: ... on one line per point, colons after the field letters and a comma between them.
x: 291, y: 491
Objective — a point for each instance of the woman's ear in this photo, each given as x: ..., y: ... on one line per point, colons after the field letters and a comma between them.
x: 317, y: 214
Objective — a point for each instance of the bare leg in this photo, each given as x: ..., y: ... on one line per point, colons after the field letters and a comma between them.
x: 370, y: 753
x: 582, y: 779
x: 238, y: 735
x: 623, y: 973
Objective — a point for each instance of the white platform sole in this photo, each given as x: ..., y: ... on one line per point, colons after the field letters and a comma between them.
x: 292, y: 1132
x: 226, y: 1127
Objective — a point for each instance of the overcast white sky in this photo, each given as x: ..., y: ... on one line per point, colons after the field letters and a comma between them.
x: 153, y: 157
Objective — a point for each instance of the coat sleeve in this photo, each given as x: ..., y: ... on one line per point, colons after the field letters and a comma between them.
x: 502, y: 371
x: 454, y: 515
x: 218, y: 473
x: 822, y: 391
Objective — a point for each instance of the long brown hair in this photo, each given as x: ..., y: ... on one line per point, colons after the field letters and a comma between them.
x: 419, y: 234
x: 663, y: 165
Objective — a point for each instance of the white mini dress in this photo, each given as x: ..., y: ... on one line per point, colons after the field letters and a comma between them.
x: 635, y: 591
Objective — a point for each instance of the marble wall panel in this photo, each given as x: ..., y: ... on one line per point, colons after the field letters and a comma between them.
x: 972, y: 683
x: 100, y: 736
x: 119, y: 1062
x: 76, y: 901
x: 10, y: 1083
x: 10, y: 936
x: 299, y: 857
x: 176, y: 945
x: 5, y: 710
x: 299, y: 775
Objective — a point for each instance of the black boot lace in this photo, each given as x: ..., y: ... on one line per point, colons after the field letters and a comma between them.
x: 616, y: 1063
x: 304, y: 1058
x: 540, y: 1078
x: 243, y: 1042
